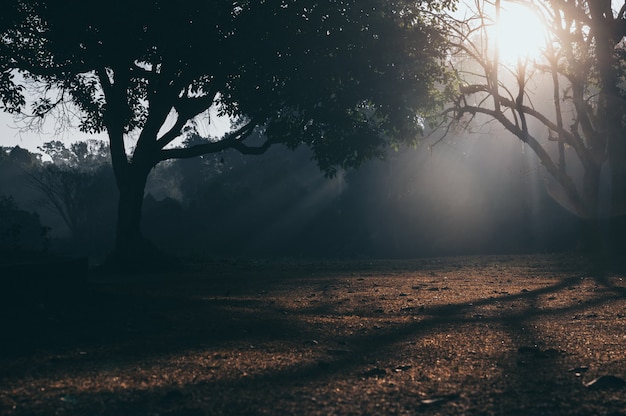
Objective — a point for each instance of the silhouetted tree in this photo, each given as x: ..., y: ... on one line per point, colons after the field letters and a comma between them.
x: 65, y: 190
x: 67, y: 183
x: 23, y: 157
x: 74, y: 184
x: 581, y: 71
x: 87, y: 155
x: 346, y: 78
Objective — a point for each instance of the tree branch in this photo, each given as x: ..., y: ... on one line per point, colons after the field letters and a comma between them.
x: 114, y: 124
x: 232, y: 140
x: 544, y: 157
x: 187, y: 108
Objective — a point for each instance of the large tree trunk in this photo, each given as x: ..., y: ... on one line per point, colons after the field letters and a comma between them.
x: 595, y: 241
x: 616, y: 149
x: 133, y: 253
x: 607, y: 33
x: 615, y: 223
x: 129, y: 243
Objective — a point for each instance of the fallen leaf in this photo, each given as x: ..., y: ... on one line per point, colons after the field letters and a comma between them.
x: 606, y: 383
x: 439, y: 399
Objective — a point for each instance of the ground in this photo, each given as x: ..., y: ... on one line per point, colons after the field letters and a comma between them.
x: 492, y: 335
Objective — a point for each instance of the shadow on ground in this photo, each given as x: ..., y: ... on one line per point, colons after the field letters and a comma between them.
x: 489, y: 335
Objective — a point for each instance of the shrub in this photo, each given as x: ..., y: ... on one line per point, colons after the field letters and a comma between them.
x: 21, y: 233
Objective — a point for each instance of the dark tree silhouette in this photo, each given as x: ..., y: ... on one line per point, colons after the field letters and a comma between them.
x: 581, y: 72
x: 65, y: 192
x: 67, y: 183
x: 88, y: 155
x: 346, y: 78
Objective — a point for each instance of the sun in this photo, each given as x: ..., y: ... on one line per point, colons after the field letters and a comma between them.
x: 520, y: 32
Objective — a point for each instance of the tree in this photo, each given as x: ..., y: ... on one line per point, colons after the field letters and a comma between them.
x: 74, y: 182
x: 581, y: 72
x: 345, y: 77
x: 88, y: 155
x: 67, y: 182
x: 65, y: 192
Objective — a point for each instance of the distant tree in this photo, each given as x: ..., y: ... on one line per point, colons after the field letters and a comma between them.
x: 65, y: 192
x: 14, y: 163
x: 23, y: 157
x: 68, y: 182
x: 87, y: 154
x: 346, y: 78
x: 581, y: 71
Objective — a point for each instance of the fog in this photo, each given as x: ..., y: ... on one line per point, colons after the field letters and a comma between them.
x: 483, y: 193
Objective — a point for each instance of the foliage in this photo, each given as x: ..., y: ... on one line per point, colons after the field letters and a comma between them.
x: 23, y: 157
x: 345, y: 77
x: 87, y: 155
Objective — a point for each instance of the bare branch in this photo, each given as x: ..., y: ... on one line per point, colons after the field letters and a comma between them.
x: 542, y: 154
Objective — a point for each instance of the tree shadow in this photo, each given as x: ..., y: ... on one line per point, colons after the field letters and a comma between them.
x: 175, y: 324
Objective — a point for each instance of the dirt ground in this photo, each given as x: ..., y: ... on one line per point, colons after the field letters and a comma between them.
x: 501, y: 335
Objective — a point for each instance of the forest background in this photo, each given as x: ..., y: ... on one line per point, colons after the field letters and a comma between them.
x: 456, y: 198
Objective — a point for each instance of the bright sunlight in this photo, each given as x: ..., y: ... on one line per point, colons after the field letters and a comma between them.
x: 521, y: 33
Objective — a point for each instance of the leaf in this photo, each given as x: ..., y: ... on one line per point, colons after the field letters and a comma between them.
x: 606, y: 383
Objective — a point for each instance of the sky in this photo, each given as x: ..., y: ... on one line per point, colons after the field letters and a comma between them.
x: 11, y: 134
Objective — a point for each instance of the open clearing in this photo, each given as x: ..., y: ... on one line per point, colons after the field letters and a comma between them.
x: 501, y: 335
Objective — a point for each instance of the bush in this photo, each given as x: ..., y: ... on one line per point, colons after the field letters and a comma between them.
x: 21, y: 234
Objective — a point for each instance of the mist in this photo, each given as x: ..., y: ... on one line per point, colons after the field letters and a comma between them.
x: 482, y: 194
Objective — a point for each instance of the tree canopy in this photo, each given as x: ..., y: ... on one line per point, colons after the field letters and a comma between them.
x: 344, y: 77
x: 341, y: 76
